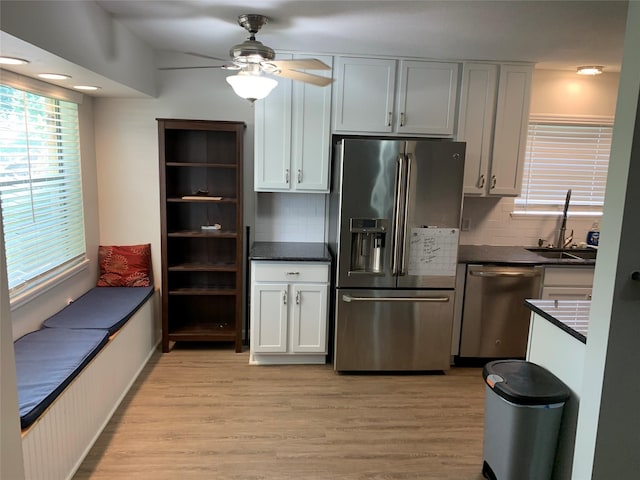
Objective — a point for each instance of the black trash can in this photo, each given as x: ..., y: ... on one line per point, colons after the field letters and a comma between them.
x: 523, y: 410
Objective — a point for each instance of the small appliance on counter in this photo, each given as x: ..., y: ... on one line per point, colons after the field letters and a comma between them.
x: 395, y: 212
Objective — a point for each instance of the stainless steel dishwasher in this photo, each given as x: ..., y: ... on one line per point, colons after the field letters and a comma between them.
x: 495, y: 322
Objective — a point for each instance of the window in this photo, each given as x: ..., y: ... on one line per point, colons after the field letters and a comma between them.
x: 565, y: 153
x: 40, y: 188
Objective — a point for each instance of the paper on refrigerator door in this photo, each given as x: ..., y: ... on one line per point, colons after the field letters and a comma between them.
x: 433, y: 251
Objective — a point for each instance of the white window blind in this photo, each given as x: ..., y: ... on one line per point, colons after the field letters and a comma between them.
x: 40, y: 188
x: 565, y: 153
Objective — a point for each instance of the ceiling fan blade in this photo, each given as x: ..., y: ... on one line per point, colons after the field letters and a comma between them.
x: 190, y: 68
x: 301, y: 64
x: 305, y: 77
x: 207, y: 56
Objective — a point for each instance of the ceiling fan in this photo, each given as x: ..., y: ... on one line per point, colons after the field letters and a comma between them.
x: 253, y: 59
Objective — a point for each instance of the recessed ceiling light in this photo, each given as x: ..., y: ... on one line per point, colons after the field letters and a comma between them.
x: 86, y: 87
x: 13, y: 61
x: 590, y: 70
x: 54, y: 76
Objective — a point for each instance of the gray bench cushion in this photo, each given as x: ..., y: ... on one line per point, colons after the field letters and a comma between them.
x: 47, y: 360
x: 105, y: 308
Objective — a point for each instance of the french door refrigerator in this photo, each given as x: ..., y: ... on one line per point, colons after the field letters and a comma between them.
x: 395, y: 212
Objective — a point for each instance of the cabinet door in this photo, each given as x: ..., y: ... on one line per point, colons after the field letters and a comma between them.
x: 475, y: 124
x: 269, y: 306
x: 311, y: 133
x: 364, y: 91
x: 427, y: 98
x: 272, y: 145
x: 309, y: 329
x: 510, y: 136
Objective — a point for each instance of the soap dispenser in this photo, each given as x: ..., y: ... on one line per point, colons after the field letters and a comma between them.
x: 593, y: 236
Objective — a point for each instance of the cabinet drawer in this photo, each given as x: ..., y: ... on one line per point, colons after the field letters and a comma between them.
x: 566, y: 293
x: 568, y: 276
x: 289, y: 272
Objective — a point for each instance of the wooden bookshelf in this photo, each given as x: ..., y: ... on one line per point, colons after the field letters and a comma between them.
x: 201, y: 227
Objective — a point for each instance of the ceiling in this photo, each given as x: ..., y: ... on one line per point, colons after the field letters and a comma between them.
x: 553, y: 34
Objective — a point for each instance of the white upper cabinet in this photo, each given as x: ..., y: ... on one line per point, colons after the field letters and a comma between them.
x: 364, y: 90
x: 426, y: 98
x: 494, y: 113
x: 368, y: 100
x: 292, y: 135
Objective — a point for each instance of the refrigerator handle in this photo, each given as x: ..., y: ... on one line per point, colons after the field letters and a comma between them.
x: 397, y: 215
x: 405, y: 224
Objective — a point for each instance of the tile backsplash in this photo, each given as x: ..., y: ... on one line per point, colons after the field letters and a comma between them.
x: 295, y: 217
x: 290, y: 217
x: 491, y: 223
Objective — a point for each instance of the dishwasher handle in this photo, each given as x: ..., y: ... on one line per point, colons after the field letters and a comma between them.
x: 504, y: 273
x: 349, y: 298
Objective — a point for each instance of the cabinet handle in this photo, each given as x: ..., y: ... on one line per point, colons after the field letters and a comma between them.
x: 284, y: 297
x: 493, y: 182
x: 293, y: 273
x: 504, y: 273
x: 389, y: 117
x: 349, y: 298
x: 286, y: 176
x: 481, y: 181
x: 299, y: 176
x: 402, y: 119
x: 298, y: 298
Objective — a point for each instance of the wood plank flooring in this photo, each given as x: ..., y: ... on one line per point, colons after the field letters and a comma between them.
x: 202, y: 412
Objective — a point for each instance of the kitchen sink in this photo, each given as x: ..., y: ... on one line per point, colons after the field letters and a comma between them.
x: 566, y: 253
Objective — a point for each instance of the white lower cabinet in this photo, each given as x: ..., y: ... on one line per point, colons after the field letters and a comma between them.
x: 568, y: 283
x: 289, y: 302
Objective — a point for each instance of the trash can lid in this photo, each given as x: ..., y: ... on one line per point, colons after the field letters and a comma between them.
x: 524, y: 383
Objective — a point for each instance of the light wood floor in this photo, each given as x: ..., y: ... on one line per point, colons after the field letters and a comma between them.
x: 204, y: 413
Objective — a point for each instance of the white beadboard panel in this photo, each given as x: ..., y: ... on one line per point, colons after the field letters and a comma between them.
x: 58, y: 441
x: 492, y: 224
x: 290, y: 217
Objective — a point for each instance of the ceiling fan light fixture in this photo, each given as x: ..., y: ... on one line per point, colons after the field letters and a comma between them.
x: 251, y: 87
x: 590, y: 70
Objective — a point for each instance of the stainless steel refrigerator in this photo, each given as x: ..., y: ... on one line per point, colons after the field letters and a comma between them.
x: 395, y: 212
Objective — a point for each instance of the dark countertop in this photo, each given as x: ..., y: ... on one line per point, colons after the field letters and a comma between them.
x: 290, y: 251
x: 572, y: 316
x: 508, y: 255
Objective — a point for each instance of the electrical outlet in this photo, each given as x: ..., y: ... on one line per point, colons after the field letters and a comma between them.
x: 466, y: 224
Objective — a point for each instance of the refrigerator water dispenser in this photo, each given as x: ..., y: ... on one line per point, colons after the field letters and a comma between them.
x: 367, y: 244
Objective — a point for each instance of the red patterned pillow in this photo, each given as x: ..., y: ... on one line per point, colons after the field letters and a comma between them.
x: 125, y: 266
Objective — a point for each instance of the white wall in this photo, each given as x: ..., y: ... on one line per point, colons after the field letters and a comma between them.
x: 11, y: 464
x: 553, y: 92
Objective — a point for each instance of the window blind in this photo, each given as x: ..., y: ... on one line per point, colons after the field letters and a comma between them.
x: 565, y: 153
x: 40, y: 187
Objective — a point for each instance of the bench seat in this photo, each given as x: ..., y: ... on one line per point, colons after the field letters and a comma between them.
x: 47, y: 360
x: 103, y: 308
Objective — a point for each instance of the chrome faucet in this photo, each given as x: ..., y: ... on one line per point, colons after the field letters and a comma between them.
x: 562, y: 241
